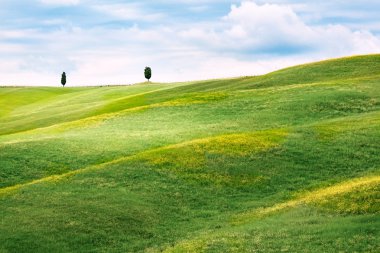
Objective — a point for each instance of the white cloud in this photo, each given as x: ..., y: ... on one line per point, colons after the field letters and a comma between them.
x: 262, y: 25
x: 60, y: 2
x: 128, y: 11
x: 250, y: 39
x: 276, y: 29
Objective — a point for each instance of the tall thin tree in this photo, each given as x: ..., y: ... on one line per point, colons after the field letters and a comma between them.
x: 148, y: 73
x: 63, y: 79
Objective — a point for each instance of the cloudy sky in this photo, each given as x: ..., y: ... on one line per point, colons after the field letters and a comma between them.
x: 111, y: 41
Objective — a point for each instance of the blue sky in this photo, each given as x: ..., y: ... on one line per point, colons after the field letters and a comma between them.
x: 110, y: 42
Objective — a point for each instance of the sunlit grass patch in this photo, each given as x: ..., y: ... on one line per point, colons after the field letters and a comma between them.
x: 97, y: 120
x: 231, y: 241
x: 297, y: 230
x: 319, y: 196
x: 358, y: 196
x: 197, y: 98
x: 192, y: 98
x: 241, y: 144
x: 363, y: 200
x: 336, y: 127
x: 193, y: 153
x: 205, y: 160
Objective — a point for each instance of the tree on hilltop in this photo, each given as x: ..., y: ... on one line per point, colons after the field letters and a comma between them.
x: 63, y: 79
x: 148, y: 73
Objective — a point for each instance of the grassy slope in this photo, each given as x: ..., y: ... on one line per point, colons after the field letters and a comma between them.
x: 191, y: 167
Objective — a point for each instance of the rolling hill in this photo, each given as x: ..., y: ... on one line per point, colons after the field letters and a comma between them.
x: 284, y: 162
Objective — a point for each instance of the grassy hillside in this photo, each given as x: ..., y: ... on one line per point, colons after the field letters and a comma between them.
x: 288, y: 161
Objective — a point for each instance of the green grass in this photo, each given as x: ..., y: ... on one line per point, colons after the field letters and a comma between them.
x: 288, y: 161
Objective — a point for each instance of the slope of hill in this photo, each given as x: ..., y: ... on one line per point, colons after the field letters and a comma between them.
x: 287, y: 161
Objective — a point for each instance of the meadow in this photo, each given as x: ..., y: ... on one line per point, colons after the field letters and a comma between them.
x: 284, y: 162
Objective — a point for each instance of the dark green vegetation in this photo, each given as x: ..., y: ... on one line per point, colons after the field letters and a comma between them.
x: 63, y: 79
x: 148, y: 73
x: 288, y: 161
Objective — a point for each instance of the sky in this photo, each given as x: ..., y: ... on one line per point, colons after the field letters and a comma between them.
x: 103, y: 42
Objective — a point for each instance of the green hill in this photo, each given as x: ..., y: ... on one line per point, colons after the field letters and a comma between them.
x: 285, y: 162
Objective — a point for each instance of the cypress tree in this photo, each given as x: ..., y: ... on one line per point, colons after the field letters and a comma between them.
x: 63, y: 79
x: 148, y: 73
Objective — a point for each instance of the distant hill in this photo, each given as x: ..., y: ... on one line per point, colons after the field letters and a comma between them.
x: 284, y: 162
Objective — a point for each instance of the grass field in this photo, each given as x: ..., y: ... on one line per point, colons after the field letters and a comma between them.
x: 285, y: 162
